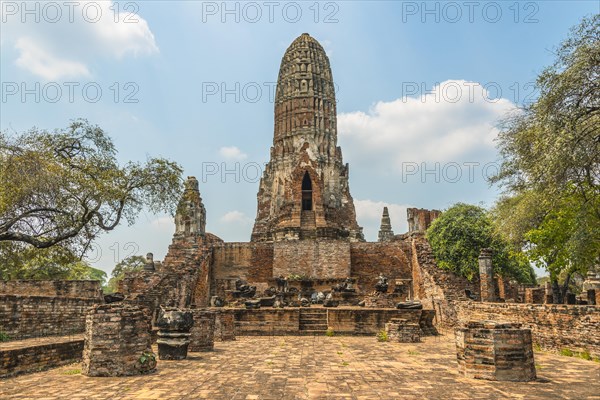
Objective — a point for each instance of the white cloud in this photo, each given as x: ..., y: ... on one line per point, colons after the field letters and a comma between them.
x: 368, y: 215
x: 454, y: 122
x: 45, y: 65
x: 232, y: 153
x: 236, y: 217
x: 64, y: 46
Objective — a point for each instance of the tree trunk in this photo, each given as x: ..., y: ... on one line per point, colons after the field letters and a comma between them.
x: 556, y: 292
x: 565, y: 289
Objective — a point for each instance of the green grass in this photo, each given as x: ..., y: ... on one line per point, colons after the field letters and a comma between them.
x: 567, y: 352
x: 345, y: 364
x: 382, y: 336
x: 75, y: 371
x: 4, y: 337
x: 413, y: 353
x: 585, y: 355
x: 329, y: 332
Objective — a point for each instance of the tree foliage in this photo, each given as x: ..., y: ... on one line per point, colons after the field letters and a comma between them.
x: 74, y: 187
x: 459, y: 234
x: 550, y: 169
x: 22, y: 261
x: 129, y: 264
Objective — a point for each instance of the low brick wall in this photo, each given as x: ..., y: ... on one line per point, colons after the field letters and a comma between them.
x: 367, y: 321
x: 33, y: 357
x: 343, y: 320
x: 76, y: 289
x: 268, y: 321
x: 553, y: 326
x: 23, y: 317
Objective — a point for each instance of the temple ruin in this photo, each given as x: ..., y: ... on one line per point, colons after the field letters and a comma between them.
x: 305, y: 270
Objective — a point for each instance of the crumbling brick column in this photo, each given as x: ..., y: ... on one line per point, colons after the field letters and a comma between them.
x: 203, y: 331
x: 117, y: 341
x: 400, y: 330
x: 486, y: 276
x: 534, y: 295
x: 225, y: 325
x: 495, y: 351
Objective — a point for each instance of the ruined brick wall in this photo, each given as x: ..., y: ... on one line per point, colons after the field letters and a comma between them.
x: 182, y: 280
x: 23, y: 317
x: 371, y: 259
x: 535, y: 295
x: 433, y: 286
x: 116, y: 336
x: 419, y: 219
x: 554, y: 326
x: 55, y: 288
x: 34, y: 357
x: 249, y: 261
x: 323, y: 259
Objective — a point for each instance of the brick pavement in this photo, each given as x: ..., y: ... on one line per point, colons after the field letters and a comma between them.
x: 320, y: 367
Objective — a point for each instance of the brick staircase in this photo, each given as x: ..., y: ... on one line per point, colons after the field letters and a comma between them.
x: 313, y: 320
x: 308, y: 225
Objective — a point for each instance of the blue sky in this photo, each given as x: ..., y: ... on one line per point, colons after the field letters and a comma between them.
x: 420, y: 86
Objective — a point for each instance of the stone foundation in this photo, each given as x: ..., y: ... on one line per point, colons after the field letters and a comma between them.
x: 495, y: 351
x: 203, y: 332
x: 400, y: 330
x: 117, y: 341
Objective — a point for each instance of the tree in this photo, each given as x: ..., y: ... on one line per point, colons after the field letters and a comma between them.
x: 457, y: 237
x: 22, y: 261
x: 129, y: 264
x: 75, y: 188
x: 550, y: 170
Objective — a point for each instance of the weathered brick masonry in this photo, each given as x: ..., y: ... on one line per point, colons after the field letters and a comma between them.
x: 79, y: 289
x: 23, y: 317
x: 553, y: 326
x: 34, y: 355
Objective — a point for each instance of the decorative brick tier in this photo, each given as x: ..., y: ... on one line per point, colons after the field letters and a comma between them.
x: 203, y: 332
x: 495, y: 351
x: 401, y: 330
x: 117, y: 341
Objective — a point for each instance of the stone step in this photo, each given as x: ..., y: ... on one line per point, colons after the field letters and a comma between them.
x: 321, y: 328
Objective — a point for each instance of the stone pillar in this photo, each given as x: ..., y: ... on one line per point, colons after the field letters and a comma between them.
x: 495, y: 351
x: 225, y: 325
x: 117, y: 341
x: 203, y: 332
x: 486, y: 276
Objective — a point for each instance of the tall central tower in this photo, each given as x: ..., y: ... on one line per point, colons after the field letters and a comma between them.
x: 304, y: 192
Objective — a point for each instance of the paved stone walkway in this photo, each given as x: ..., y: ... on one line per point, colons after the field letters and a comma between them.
x: 320, y: 367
